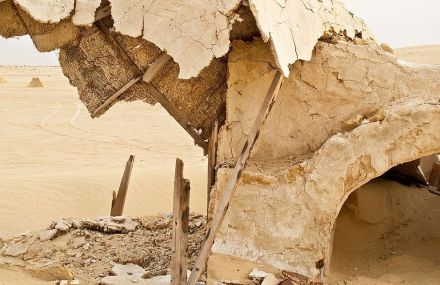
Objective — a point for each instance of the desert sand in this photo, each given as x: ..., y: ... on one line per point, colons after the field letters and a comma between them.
x: 392, y: 238
x: 429, y: 54
x: 58, y: 162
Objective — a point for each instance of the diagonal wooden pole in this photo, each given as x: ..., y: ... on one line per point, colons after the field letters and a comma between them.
x: 234, y: 181
x: 147, y: 77
x: 118, y: 201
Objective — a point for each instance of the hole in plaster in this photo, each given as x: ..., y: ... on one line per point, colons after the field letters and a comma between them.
x: 320, y: 264
x: 388, y: 230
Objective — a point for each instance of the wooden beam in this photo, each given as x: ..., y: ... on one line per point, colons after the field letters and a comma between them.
x: 155, y: 67
x: 118, y: 93
x: 102, y: 13
x: 161, y: 61
x: 151, y: 72
x: 119, y: 202
x: 235, y: 179
x: 179, y: 260
x: 212, y: 152
x: 172, y: 110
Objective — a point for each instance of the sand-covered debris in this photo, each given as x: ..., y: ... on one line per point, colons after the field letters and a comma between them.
x: 35, y: 82
x: 90, y: 248
x: 2, y: 80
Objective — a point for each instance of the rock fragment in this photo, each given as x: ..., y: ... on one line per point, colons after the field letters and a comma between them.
x: 79, y: 242
x: 387, y: 48
x: 257, y: 274
x: 52, y: 273
x: 129, y: 269
x: 47, y: 235
x: 15, y: 250
x: 270, y: 279
x: 62, y: 225
x: 10, y: 237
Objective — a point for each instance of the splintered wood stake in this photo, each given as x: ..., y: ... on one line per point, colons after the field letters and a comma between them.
x: 118, y: 201
x: 179, y: 258
x: 220, y: 213
x: 212, y: 151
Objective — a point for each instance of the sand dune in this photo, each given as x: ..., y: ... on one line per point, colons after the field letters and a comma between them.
x: 420, y: 54
x: 58, y: 162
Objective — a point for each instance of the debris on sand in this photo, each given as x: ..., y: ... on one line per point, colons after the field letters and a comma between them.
x: 2, y: 80
x: 36, y: 82
x: 118, y: 248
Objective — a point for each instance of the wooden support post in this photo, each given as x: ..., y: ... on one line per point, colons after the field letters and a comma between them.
x: 118, y: 201
x: 235, y: 179
x: 179, y: 263
x: 212, y: 152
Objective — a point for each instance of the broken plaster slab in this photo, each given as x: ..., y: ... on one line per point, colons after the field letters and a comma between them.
x: 56, y: 10
x: 47, y: 11
x: 85, y: 12
x: 340, y: 88
x: 294, y: 26
x: 193, y: 32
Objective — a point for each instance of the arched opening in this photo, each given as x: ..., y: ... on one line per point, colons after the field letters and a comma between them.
x: 388, y: 230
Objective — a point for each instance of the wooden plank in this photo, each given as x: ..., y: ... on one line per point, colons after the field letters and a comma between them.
x: 102, y: 13
x: 434, y: 178
x: 155, y: 67
x: 119, y: 202
x: 172, y: 110
x: 179, y: 261
x: 212, y: 152
x: 115, y: 96
x: 235, y: 179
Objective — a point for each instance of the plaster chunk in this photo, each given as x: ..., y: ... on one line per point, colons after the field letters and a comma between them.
x: 294, y: 26
x: 192, y: 32
x: 85, y: 12
x: 47, y: 11
x: 342, y: 86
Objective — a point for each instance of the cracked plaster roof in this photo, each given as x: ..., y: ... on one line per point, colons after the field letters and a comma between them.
x: 193, y: 32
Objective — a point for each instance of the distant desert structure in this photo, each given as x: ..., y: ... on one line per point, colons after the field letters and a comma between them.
x: 35, y: 82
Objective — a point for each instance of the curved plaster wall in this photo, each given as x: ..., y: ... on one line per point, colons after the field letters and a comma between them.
x: 284, y: 215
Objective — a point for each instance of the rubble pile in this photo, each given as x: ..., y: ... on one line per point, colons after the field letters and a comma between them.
x: 88, y: 249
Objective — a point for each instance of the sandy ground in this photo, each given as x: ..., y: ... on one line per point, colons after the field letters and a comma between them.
x: 429, y: 54
x: 58, y: 162
x: 16, y: 277
x: 390, y: 235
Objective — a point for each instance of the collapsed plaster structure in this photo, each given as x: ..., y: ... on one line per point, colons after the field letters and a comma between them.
x: 347, y: 112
